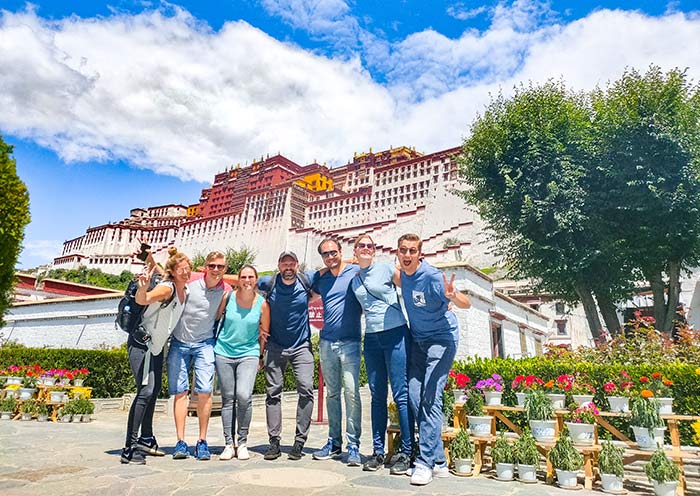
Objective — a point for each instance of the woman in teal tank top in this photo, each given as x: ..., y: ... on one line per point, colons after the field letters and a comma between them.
x: 239, y: 350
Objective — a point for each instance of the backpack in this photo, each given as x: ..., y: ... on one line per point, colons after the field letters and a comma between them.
x: 130, y: 313
x: 301, y: 277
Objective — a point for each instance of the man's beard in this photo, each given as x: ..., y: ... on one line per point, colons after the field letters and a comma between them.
x: 288, y: 274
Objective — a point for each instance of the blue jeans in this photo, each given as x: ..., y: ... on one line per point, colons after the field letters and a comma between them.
x: 430, y: 362
x: 236, y: 378
x: 180, y: 358
x: 385, y: 359
x: 340, y: 363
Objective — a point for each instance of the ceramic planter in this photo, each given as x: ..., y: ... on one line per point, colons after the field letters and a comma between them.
x: 66, y: 418
x: 5, y: 415
x: 480, y: 426
x: 557, y: 400
x: 11, y: 393
x: 504, y: 471
x: 527, y: 473
x: 567, y: 478
x: 580, y: 399
x: 460, y: 395
x: 665, y: 488
x: 48, y: 381
x: 26, y: 393
x: 26, y: 416
x: 543, y: 430
x: 78, y: 382
x: 619, y: 403
x: 611, y: 482
x: 665, y: 406
x: 463, y: 466
x: 42, y: 418
x: 56, y: 396
x: 649, y: 440
x: 13, y: 380
x: 85, y: 417
x: 493, y: 398
x: 520, y: 397
x: 581, y: 434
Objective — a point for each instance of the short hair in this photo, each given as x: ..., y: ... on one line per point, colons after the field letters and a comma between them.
x: 175, y: 258
x: 411, y: 237
x: 248, y: 266
x: 214, y: 255
x: 326, y: 240
x: 366, y: 235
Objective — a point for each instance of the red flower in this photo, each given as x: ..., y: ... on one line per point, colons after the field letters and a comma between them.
x: 656, y: 375
x: 644, y: 379
x: 462, y: 380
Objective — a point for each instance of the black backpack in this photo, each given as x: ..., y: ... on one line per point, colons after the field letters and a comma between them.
x: 301, y: 277
x: 130, y: 313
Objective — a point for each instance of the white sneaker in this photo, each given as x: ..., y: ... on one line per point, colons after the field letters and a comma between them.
x: 228, y: 453
x: 409, y: 472
x: 440, y: 470
x: 422, y: 475
x: 243, y: 452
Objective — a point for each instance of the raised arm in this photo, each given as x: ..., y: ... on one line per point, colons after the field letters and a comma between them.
x: 144, y: 297
x: 459, y: 299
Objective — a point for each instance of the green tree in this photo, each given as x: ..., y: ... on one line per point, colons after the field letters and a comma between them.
x: 647, y: 178
x: 235, y: 259
x: 14, y: 216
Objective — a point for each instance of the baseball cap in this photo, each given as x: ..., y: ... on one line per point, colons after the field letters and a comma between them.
x: 287, y: 254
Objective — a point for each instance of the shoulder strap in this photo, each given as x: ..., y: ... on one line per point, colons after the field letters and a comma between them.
x: 219, y: 324
x: 304, y: 281
x: 169, y: 300
x: 273, y: 280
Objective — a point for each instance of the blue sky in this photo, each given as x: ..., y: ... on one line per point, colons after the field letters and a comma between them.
x: 124, y: 104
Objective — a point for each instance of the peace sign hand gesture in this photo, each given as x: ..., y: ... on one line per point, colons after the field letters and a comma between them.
x: 450, y: 290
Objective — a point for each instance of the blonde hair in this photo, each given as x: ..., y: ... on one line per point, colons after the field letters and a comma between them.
x: 357, y: 239
x: 175, y: 258
x: 412, y: 237
x: 214, y: 255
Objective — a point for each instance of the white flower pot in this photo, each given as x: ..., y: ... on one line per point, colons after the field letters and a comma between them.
x: 665, y: 488
x: 649, y: 440
x: 527, y: 473
x: 581, y: 399
x: 66, y: 418
x: 665, y: 406
x: 42, y: 418
x: 11, y: 393
x: 611, y: 482
x: 581, y: 434
x: 480, y: 426
x: 5, y: 415
x: 557, y: 400
x: 460, y: 395
x: 26, y: 393
x: 567, y: 478
x: 48, y: 381
x: 85, y: 417
x: 78, y: 382
x: 619, y: 404
x: 26, y: 416
x: 13, y: 380
x: 520, y: 397
x: 493, y: 398
x: 543, y: 430
x: 504, y: 471
x: 463, y: 466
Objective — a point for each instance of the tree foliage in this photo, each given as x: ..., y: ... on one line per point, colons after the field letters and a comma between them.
x: 93, y: 277
x: 587, y: 193
x: 235, y: 259
x: 14, y: 216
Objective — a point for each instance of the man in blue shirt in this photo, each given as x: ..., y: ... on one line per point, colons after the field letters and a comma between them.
x: 339, y: 351
x: 288, y: 294
x: 426, y: 295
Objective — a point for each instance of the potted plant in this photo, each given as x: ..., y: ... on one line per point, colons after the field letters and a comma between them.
x: 79, y: 376
x: 581, y: 424
x: 503, y: 456
x: 58, y: 394
x: 65, y: 413
x: 14, y: 375
x: 647, y: 425
x: 492, y: 389
x: 462, y: 453
x: 557, y: 389
x: 610, y: 466
x: 618, y: 390
x: 479, y: 423
x: 527, y: 457
x: 662, y: 473
x: 8, y: 405
x: 28, y: 388
x: 82, y: 408
x: 523, y: 384
x: 661, y: 387
x: 538, y: 411
x: 566, y: 460
x: 582, y: 390
x: 27, y: 409
x: 42, y: 411
x: 457, y: 383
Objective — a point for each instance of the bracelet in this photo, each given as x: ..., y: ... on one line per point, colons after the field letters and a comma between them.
x: 261, y: 356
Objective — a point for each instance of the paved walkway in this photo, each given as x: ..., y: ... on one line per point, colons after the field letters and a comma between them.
x: 75, y: 459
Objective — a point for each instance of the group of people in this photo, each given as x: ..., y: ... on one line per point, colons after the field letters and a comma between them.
x: 264, y: 324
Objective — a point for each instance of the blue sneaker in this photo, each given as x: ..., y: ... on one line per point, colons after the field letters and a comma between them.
x: 181, y: 450
x: 201, y: 450
x: 354, y: 459
x: 328, y: 451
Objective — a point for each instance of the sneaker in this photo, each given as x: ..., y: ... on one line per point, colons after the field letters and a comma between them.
x: 149, y: 446
x: 243, y: 452
x: 133, y: 455
x: 422, y: 475
x: 440, y: 470
x: 328, y: 451
x: 201, y: 450
x: 273, y: 451
x: 373, y: 463
x: 228, y: 453
x: 181, y: 450
x: 297, y: 451
x: 399, y: 464
x: 354, y: 459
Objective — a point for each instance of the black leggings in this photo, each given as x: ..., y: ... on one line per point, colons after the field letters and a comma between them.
x: 143, y: 406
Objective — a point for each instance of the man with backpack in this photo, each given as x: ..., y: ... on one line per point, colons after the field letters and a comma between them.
x: 288, y: 294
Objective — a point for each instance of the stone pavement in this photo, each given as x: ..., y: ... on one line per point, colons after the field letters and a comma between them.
x: 83, y: 459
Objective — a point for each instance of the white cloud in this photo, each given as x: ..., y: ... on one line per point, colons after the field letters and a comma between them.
x: 167, y: 93
x: 460, y: 12
x: 44, y: 249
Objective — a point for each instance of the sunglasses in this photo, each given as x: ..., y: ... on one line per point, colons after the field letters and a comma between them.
x: 403, y: 250
x: 216, y: 267
x: 369, y: 246
x: 184, y: 270
x: 331, y: 253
